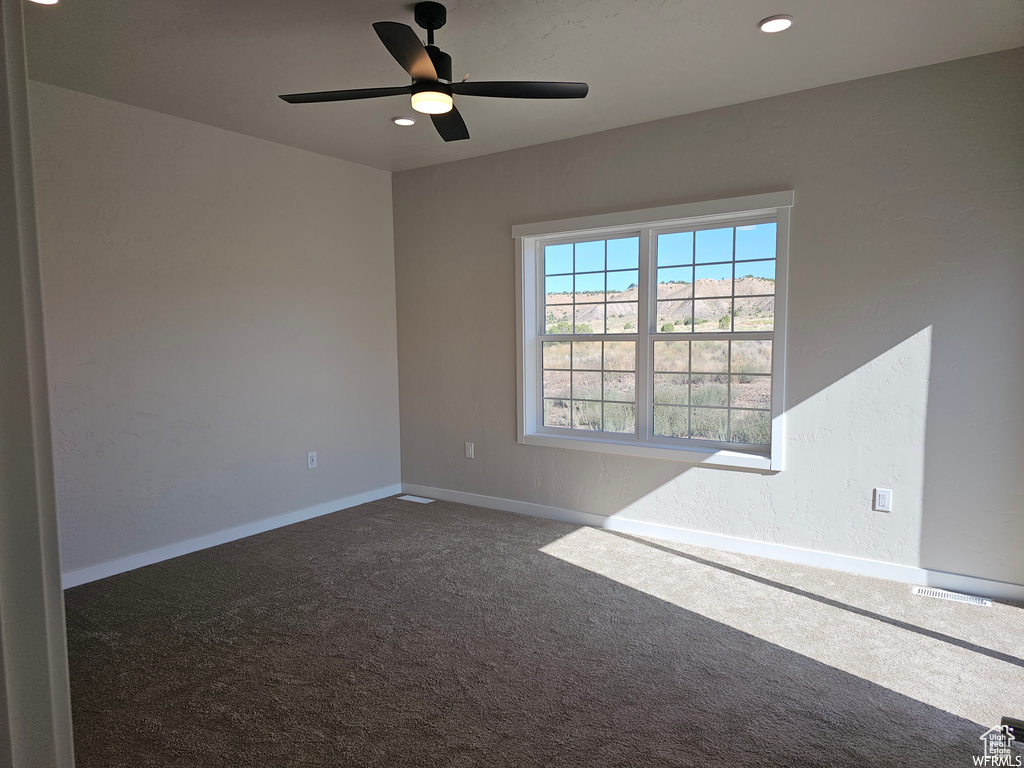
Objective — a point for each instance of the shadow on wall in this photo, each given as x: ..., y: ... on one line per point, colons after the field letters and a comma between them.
x: 916, y: 386
x: 904, y: 317
x: 921, y: 405
x: 973, y: 502
x: 896, y: 390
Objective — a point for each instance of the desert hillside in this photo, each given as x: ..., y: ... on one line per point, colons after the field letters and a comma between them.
x: 707, y: 304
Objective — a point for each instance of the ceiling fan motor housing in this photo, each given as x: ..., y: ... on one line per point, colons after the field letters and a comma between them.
x: 442, y: 63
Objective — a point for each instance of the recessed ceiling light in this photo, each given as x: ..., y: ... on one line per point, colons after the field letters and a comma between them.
x: 403, y: 120
x: 776, y: 23
x: 45, y: 2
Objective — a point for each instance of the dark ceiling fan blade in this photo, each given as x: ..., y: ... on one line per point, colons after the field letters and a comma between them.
x: 450, y: 125
x: 350, y: 95
x: 522, y: 89
x: 406, y: 47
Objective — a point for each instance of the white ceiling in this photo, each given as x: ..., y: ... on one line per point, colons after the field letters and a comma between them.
x: 223, y: 62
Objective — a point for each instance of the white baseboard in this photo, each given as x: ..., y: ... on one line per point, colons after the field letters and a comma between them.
x: 908, y: 574
x: 131, y: 562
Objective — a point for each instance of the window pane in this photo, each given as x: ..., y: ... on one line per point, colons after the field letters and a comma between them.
x: 750, y: 427
x: 556, y: 384
x: 754, y: 314
x: 556, y: 413
x: 671, y: 388
x: 671, y: 421
x: 709, y: 390
x: 755, y: 242
x: 673, y: 317
x: 622, y: 318
x: 558, y: 290
x: 710, y: 357
x: 675, y: 283
x: 556, y: 354
x: 622, y: 285
x: 586, y: 415
x: 590, y: 256
x: 620, y: 387
x: 558, y: 259
x: 672, y: 356
x: 590, y: 287
x: 755, y: 278
x: 714, y: 245
x: 589, y: 318
x: 708, y: 423
x: 586, y: 355
x: 624, y: 253
x: 750, y: 391
x: 620, y: 356
x: 713, y: 281
x: 753, y: 356
x: 558, y: 319
x: 708, y: 314
x: 586, y: 386
x: 674, y: 249
x: 619, y: 417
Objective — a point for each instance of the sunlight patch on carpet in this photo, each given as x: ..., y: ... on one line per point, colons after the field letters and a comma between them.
x: 959, y: 680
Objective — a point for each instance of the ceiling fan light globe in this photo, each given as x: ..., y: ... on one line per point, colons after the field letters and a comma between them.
x: 432, y: 102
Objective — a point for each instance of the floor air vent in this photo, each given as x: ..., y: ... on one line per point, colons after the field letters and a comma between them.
x: 942, y: 594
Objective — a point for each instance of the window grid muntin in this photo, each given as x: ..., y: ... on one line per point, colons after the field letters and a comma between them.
x: 574, y: 242
x: 728, y: 374
x: 573, y: 340
x: 694, y: 335
x: 694, y: 265
x: 649, y: 333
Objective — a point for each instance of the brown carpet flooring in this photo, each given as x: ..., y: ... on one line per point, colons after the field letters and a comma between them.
x: 398, y: 634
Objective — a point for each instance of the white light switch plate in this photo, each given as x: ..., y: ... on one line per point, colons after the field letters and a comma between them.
x: 883, y: 500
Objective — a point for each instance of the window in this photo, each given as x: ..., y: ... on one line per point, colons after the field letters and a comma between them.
x: 658, y: 332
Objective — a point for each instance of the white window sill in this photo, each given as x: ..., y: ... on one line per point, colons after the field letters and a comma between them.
x: 710, y: 458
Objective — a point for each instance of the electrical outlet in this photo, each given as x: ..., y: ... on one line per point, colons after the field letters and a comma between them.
x: 469, y: 450
x: 883, y: 500
x: 311, y: 460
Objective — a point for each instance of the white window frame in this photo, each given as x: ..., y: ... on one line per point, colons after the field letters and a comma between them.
x: 774, y: 206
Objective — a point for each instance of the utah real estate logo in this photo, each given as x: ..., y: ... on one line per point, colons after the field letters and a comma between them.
x: 998, y: 748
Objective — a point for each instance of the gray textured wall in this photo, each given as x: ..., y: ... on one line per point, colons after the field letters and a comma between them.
x: 216, y: 306
x: 906, y: 322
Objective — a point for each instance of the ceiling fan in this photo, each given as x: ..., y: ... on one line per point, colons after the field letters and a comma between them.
x: 431, y: 71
